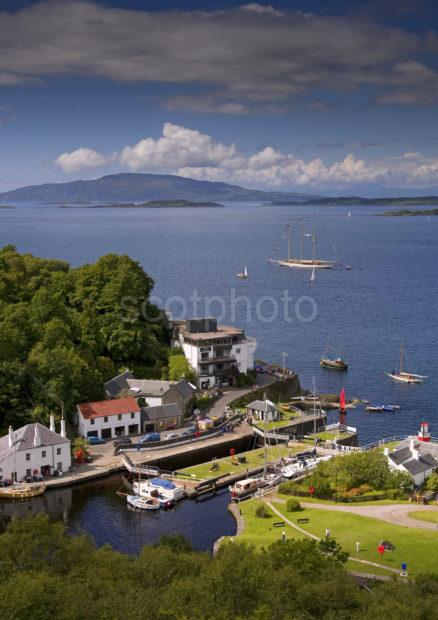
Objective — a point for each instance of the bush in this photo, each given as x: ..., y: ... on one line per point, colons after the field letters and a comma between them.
x: 262, y: 512
x: 395, y: 494
x: 292, y: 488
x: 293, y: 505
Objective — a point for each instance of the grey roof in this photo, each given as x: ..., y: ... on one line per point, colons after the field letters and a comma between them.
x: 119, y: 384
x: 262, y: 405
x: 400, y: 456
x: 24, y: 436
x: 416, y: 466
x: 148, y: 387
x: 161, y: 411
x: 184, y: 388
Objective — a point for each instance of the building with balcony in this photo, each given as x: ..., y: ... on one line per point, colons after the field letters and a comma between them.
x: 217, y: 353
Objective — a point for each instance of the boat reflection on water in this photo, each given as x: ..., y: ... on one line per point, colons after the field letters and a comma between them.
x: 56, y: 504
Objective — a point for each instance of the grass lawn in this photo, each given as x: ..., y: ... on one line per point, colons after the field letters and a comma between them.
x: 229, y: 465
x: 391, y: 445
x: 331, y: 436
x: 418, y: 548
x: 262, y: 533
x: 424, y: 515
x: 315, y: 500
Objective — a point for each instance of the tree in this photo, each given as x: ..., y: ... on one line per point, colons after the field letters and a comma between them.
x: 179, y: 368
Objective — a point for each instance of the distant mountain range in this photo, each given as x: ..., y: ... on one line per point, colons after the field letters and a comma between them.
x: 132, y: 187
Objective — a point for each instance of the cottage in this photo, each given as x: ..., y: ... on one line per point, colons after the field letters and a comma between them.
x: 414, y: 457
x: 217, y: 353
x: 109, y: 418
x: 263, y: 410
x: 34, y: 450
x: 161, y: 417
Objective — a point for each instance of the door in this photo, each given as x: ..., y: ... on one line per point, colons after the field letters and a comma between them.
x: 133, y: 429
x: 106, y: 433
x: 120, y: 431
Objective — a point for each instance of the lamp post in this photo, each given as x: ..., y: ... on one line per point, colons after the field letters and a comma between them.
x: 284, y: 354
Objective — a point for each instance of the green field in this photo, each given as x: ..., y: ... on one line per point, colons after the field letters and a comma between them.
x: 418, y: 548
x: 315, y: 500
x: 424, y: 515
x: 229, y: 465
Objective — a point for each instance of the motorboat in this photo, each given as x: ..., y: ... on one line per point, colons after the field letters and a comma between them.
x: 160, y: 488
x: 377, y: 407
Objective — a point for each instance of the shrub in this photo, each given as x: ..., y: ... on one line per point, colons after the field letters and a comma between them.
x: 395, y: 494
x: 293, y: 505
x: 262, y: 512
x: 292, y: 488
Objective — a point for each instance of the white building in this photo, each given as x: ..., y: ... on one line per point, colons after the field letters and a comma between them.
x: 415, y: 457
x: 262, y: 410
x: 34, y: 450
x: 215, y: 352
x: 109, y: 418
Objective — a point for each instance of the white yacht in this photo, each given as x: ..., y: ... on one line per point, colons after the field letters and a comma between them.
x: 307, y: 263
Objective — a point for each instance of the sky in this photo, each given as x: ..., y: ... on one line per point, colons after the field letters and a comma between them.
x: 334, y: 96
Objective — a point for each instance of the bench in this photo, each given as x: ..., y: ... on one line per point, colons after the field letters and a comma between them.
x: 303, y: 520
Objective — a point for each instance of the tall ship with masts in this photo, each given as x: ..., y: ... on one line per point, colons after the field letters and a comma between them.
x: 301, y: 262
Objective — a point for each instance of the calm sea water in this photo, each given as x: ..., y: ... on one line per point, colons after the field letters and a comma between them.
x: 390, y: 295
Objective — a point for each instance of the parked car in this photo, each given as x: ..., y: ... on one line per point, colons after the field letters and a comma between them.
x: 150, y: 437
x: 122, y: 440
x: 167, y: 436
x: 95, y: 441
x: 187, y: 432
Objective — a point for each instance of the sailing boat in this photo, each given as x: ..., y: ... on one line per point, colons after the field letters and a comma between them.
x: 310, y: 263
x: 242, y: 274
x: 313, y: 276
x: 403, y: 376
x: 328, y: 361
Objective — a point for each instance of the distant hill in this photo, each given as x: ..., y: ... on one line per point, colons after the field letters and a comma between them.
x: 348, y: 201
x: 132, y: 187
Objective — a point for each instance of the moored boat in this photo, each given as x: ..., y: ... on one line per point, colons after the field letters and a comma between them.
x: 22, y: 491
x: 305, y: 263
x: 335, y: 363
x: 403, y: 376
x: 142, y: 503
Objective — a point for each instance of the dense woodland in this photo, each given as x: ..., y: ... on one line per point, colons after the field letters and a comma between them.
x: 45, y: 573
x: 65, y: 331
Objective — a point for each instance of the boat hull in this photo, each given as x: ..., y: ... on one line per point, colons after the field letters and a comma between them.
x: 22, y: 492
x: 405, y: 378
x: 305, y: 263
x: 142, y: 503
x: 333, y: 364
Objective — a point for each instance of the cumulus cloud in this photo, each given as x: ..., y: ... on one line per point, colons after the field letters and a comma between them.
x: 251, y: 54
x: 79, y: 159
x: 191, y: 153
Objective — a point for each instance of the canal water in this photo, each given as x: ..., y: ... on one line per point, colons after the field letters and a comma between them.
x: 95, y: 508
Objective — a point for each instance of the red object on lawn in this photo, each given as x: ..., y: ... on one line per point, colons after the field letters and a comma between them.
x: 381, y: 550
x: 232, y: 452
x: 312, y: 490
x: 342, y: 400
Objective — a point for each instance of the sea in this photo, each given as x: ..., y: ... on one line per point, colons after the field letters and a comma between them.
x: 386, y: 296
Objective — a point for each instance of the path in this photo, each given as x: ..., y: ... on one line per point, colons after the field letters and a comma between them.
x: 397, y: 514
x: 309, y: 535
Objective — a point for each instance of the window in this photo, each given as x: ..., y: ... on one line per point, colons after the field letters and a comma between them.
x: 27, y: 456
x: 105, y: 418
x: 160, y: 424
x: 92, y: 421
x: 28, y: 473
x: 132, y: 415
x: 238, y: 350
x: 58, y: 450
x: 43, y: 454
x: 119, y: 417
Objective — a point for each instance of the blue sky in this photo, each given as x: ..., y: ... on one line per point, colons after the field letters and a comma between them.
x: 327, y: 96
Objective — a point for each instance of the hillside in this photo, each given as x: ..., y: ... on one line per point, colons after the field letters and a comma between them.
x: 131, y: 187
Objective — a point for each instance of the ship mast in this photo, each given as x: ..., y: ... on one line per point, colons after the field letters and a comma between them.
x: 302, y: 240
x: 401, y: 357
x: 289, y: 242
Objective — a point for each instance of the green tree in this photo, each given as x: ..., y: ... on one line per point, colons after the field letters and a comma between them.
x: 179, y: 368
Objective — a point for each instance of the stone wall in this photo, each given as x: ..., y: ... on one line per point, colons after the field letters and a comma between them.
x: 276, y: 391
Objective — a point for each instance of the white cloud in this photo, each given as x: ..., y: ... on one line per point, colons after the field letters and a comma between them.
x: 79, y: 159
x: 191, y: 153
x: 255, y: 7
x: 179, y: 146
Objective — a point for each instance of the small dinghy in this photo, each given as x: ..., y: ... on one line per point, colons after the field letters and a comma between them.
x: 142, y: 503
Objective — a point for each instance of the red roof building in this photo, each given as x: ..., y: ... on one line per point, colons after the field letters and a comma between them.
x: 103, y: 408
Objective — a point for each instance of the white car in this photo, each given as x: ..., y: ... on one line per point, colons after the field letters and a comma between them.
x: 169, y: 436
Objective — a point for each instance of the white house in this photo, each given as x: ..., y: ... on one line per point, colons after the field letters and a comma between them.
x: 34, y: 450
x: 263, y: 410
x: 215, y: 352
x: 414, y: 457
x: 109, y: 418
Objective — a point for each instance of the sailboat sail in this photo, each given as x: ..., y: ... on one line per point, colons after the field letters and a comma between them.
x: 313, y: 276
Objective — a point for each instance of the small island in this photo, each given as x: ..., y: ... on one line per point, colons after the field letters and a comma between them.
x: 150, y: 204
x: 408, y: 212
x: 7, y: 207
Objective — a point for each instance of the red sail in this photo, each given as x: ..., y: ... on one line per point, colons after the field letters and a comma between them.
x: 342, y: 400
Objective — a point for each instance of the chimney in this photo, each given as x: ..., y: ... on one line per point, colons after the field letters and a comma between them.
x: 10, y: 438
x: 386, y: 451
x: 37, y: 437
x: 412, y: 444
x: 52, y: 423
x: 62, y: 433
